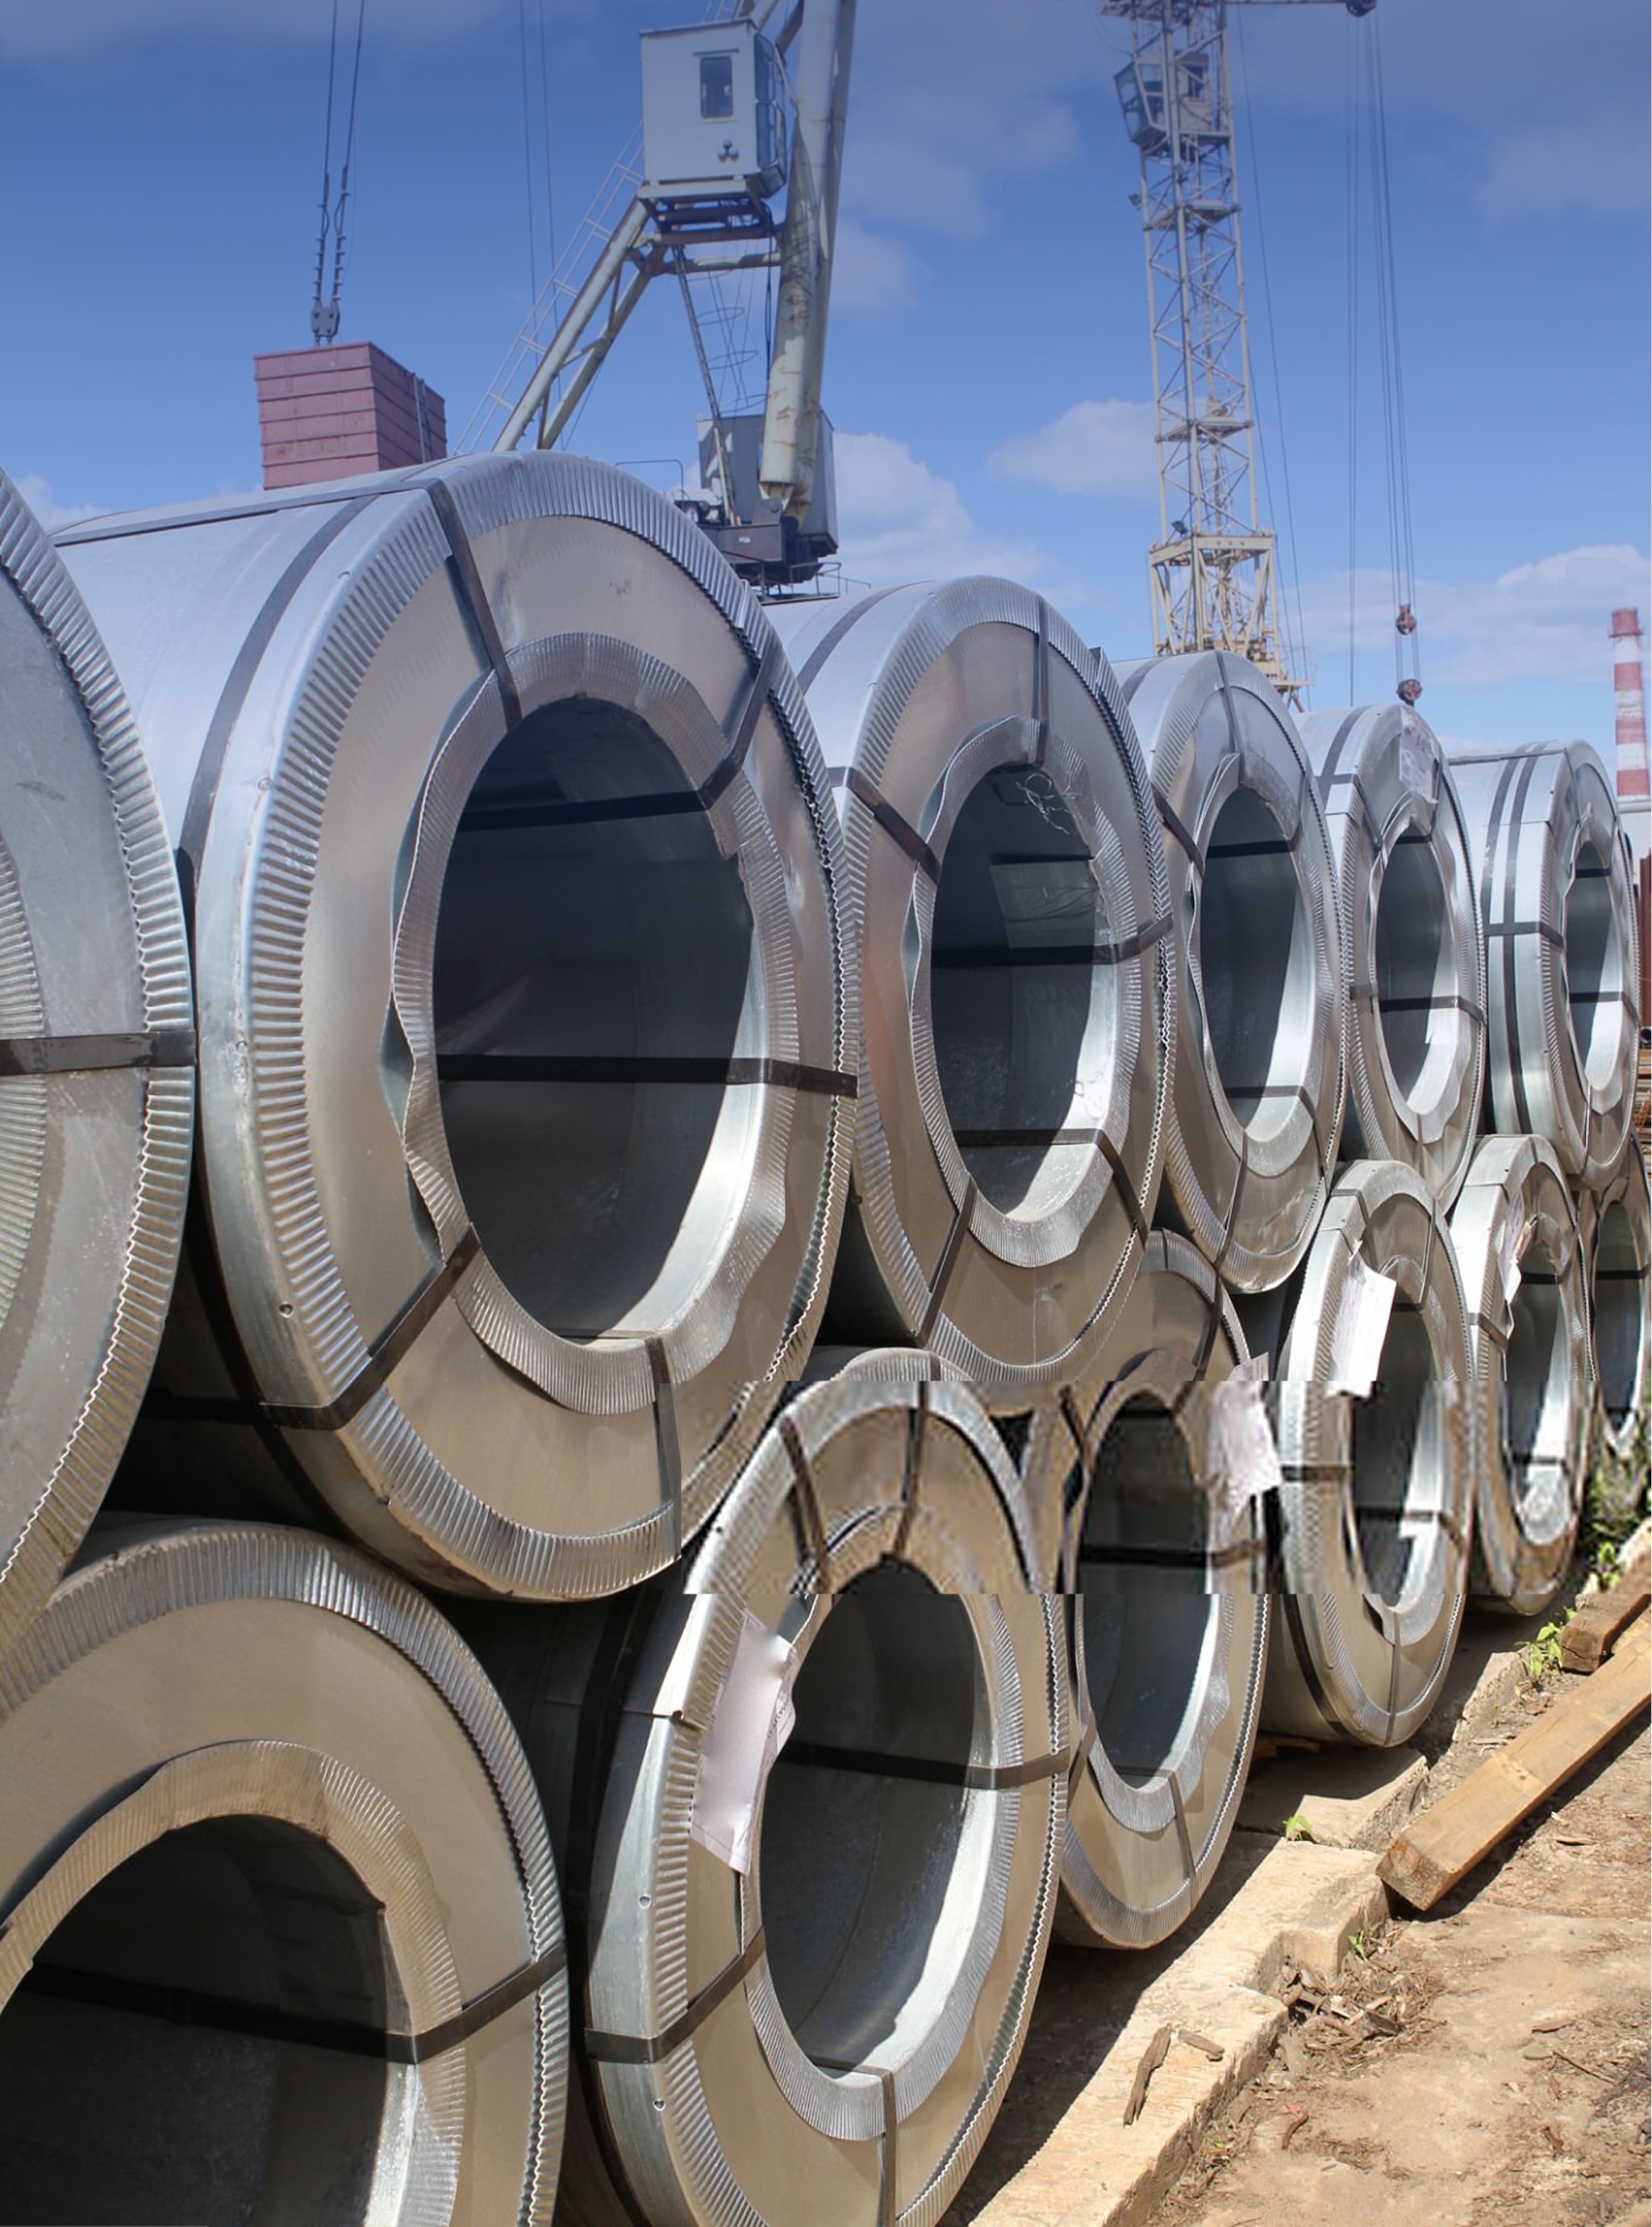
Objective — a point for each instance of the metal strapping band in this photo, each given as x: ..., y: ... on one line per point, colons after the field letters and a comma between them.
x: 925, y: 1770
x: 387, y: 1351
x: 809, y: 670
x: 1367, y: 993
x: 807, y: 1501
x: 555, y: 1067
x: 649, y: 2049
x: 1068, y: 1408
x: 667, y: 1439
x: 95, y: 1054
x: 1189, y: 1862
x: 905, y: 836
x: 1319, y: 1472
x: 1492, y: 1329
x: 917, y: 1432
x: 1106, y: 952
x: 467, y: 580
x: 1201, y: 1558
x: 888, y: 2202
x: 743, y: 726
x: 1110, y: 1153
x: 269, y: 2022
x: 1232, y: 1221
x: 1367, y: 818
x: 1176, y: 828
x: 948, y: 1261
x: 1546, y: 929
x: 1041, y: 686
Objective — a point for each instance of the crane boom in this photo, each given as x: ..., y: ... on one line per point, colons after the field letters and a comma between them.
x: 1212, y: 566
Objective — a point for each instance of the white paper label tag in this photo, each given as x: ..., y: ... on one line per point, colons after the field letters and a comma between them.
x: 1509, y: 1257
x: 752, y: 1721
x: 1416, y: 761
x: 1244, y: 1455
x: 1362, y: 1325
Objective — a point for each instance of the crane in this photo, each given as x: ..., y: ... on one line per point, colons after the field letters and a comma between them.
x: 1213, y: 568
x: 713, y: 159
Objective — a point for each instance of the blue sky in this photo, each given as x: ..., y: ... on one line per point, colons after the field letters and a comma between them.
x: 988, y: 370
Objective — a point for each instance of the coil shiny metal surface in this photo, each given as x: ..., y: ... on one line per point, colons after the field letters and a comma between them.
x: 279, y: 1935
x: 1615, y: 1224
x: 1515, y: 1232
x: 1168, y: 1609
x: 1412, y: 952
x: 97, y: 1067
x: 823, y: 2040
x: 1016, y: 965
x: 1260, y: 1034
x: 525, y: 1098
x: 1557, y: 904
x: 1378, y: 1499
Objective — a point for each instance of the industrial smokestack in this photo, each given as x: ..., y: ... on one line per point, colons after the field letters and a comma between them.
x: 1633, y: 789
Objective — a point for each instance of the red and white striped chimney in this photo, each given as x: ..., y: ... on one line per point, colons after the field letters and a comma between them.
x: 1629, y: 689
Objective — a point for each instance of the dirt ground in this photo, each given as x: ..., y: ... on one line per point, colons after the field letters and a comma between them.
x: 1483, y: 2065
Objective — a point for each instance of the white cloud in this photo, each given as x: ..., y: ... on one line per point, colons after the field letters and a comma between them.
x: 871, y: 274
x: 37, y: 494
x: 897, y: 521
x: 1552, y: 97
x: 1542, y: 621
x: 1094, y: 447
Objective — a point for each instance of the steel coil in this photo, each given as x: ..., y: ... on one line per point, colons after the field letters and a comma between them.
x: 96, y: 1078
x: 1615, y: 1223
x: 1515, y: 1232
x: 809, y: 1960
x: 1377, y: 1454
x: 1412, y: 952
x: 1258, y: 1105
x: 525, y: 1096
x: 1169, y: 1611
x: 1557, y: 902
x: 279, y: 1935
x: 1015, y: 955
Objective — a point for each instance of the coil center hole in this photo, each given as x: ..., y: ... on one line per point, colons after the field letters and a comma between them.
x: 1537, y: 1388
x: 1398, y: 1458
x: 593, y: 970
x: 1022, y: 1011
x: 1415, y: 967
x: 201, y: 2038
x: 1256, y: 964
x: 1145, y: 1613
x: 1620, y: 1295
x: 868, y: 1890
x: 1594, y: 967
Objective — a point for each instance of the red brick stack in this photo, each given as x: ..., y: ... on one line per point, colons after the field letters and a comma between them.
x: 327, y: 413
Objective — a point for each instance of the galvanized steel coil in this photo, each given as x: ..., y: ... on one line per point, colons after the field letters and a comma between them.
x: 1515, y: 1232
x: 1257, y: 1111
x: 1163, y: 1574
x: 1016, y: 965
x: 1557, y: 903
x: 1371, y: 1526
x: 1412, y: 947
x: 808, y: 1960
x: 1615, y: 1224
x: 279, y: 1935
x: 524, y: 1014
x: 97, y: 1072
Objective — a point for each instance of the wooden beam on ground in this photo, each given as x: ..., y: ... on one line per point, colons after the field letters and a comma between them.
x: 1589, y: 1637
x: 1445, y: 1844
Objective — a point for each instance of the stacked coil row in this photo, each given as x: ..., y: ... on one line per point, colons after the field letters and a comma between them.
x: 747, y: 1281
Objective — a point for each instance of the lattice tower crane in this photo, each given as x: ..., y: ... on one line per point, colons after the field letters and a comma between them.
x: 1214, y: 575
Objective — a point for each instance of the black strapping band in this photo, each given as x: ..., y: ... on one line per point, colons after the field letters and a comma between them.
x: 388, y: 1352
x: 667, y: 1438
x: 917, y: 1433
x: 948, y: 1261
x: 1110, y: 1153
x: 1041, y: 686
x: 743, y: 726
x: 269, y: 2022
x: 556, y: 1067
x: 901, y: 832
x: 1189, y: 1862
x: 807, y: 1501
x: 1541, y: 927
x: 1176, y: 827
x: 467, y: 580
x: 95, y: 1054
x: 1200, y: 1558
x: 927, y: 1770
x: 649, y: 2049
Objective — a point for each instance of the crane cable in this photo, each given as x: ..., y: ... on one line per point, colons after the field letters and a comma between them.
x: 324, y: 314
x: 1367, y: 131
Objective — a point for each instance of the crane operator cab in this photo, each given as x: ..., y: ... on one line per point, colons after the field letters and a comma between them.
x: 713, y: 116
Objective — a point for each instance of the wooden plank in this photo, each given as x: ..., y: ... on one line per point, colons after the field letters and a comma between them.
x: 1588, y: 1638
x: 1446, y: 1843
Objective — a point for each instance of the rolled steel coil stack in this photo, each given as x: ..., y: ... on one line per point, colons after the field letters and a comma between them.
x: 752, y: 1279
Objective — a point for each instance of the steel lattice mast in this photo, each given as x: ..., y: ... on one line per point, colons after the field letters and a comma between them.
x: 1213, y: 565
